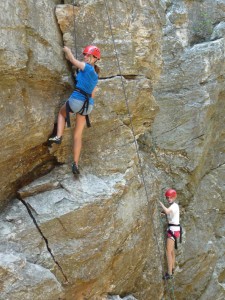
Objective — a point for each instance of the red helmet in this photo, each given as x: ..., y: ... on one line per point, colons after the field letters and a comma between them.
x: 93, y: 50
x: 170, y: 193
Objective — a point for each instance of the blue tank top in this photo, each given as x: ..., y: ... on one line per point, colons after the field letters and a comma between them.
x: 87, y: 80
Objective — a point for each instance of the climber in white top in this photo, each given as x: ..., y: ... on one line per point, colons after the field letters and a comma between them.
x: 173, y: 230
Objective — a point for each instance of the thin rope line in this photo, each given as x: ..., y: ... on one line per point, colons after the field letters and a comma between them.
x: 153, y: 148
x: 74, y: 29
x: 132, y: 128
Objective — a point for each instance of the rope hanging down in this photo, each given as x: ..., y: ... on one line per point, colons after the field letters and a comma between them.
x: 74, y: 29
x: 132, y: 128
x: 133, y: 133
x: 170, y: 286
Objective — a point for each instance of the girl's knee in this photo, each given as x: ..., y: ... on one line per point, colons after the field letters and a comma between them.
x: 62, y: 109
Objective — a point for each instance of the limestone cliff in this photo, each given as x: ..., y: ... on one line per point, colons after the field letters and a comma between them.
x: 158, y: 122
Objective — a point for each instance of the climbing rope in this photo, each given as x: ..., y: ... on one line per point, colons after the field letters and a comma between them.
x: 170, y: 285
x: 132, y: 129
x: 74, y: 29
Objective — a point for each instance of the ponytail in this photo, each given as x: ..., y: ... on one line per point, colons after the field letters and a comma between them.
x: 97, y: 69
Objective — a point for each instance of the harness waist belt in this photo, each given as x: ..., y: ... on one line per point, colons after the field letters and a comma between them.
x: 82, y: 92
x: 83, y: 108
x: 171, y: 232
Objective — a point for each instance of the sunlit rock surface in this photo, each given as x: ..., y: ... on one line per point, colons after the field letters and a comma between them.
x: 100, y: 235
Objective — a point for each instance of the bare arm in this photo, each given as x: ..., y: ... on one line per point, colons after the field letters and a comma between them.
x: 165, y: 209
x: 69, y: 55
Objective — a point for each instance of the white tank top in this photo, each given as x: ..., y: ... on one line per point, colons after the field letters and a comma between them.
x: 174, y: 217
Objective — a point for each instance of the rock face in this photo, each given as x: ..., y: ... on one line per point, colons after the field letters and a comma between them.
x: 158, y: 122
x: 34, y: 78
x: 188, y: 133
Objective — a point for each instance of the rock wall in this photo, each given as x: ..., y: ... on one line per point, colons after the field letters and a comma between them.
x: 187, y: 139
x: 34, y: 79
x: 101, y: 234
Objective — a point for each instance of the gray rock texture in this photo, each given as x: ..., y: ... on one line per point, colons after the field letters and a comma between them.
x: 34, y: 79
x: 158, y: 122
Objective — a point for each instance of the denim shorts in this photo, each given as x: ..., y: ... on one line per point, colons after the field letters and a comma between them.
x: 76, y: 106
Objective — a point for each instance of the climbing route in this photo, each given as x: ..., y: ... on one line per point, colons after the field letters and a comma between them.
x: 170, y: 283
x: 74, y: 29
x: 170, y: 286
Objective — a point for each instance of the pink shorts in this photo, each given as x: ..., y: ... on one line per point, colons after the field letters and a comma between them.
x: 176, y: 233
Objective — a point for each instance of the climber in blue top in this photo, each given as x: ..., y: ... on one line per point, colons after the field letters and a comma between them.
x: 81, y: 100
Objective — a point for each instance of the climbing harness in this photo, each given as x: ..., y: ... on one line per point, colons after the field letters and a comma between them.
x: 89, y: 50
x: 132, y: 130
x: 169, y: 280
x: 173, y: 235
x: 169, y: 283
x: 172, y: 193
x: 82, y: 110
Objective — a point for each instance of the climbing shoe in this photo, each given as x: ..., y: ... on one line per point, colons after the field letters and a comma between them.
x: 55, y: 139
x: 75, y: 169
x: 167, y: 276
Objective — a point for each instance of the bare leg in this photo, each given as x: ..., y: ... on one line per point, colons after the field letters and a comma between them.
x: 61, y: 121
x: 78, y: 130
x: 170, y: 255
x: 173, y: 259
